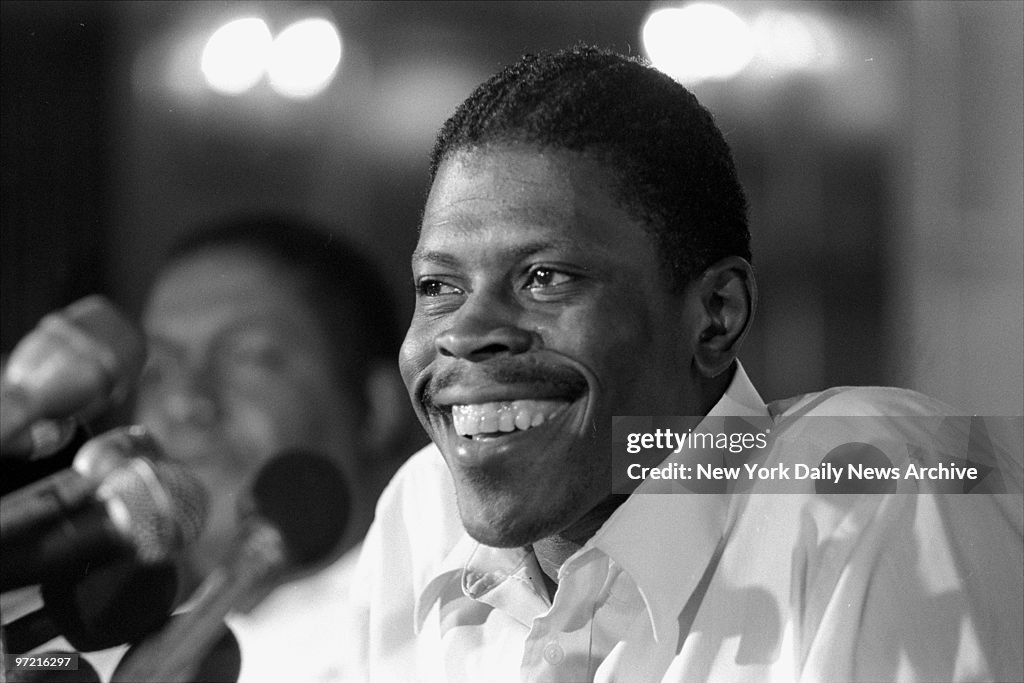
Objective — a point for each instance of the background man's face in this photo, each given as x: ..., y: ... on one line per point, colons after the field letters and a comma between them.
x: 238, y: 371
x: 541, y: 312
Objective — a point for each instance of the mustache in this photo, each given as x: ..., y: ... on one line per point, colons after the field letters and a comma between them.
x: 553, y: 377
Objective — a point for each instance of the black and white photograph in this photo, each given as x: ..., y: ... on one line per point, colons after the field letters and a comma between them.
x: 511, y: 341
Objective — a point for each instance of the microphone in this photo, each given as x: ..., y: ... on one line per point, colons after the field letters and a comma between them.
x: 74, y: 364
x: 143, y: 509
x: 114, y: 603
x: 48, y: 499
x: 300, y: 507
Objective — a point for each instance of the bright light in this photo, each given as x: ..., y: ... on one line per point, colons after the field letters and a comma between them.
x: 698, y: 42
x: 793, y: 42
x: 234, y: 58
x: 304, y: 58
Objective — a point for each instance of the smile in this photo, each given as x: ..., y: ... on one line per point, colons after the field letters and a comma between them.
x: 496, y: 417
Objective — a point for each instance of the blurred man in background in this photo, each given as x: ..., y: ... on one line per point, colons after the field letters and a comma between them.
x: 267, y: 335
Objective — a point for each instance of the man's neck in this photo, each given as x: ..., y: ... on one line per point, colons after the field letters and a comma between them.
x: 554, y: 550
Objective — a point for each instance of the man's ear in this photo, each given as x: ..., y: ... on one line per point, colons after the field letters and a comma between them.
x: 727, y: 295
x: 387, y: 410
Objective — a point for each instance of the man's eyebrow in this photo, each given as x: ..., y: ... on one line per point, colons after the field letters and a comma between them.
x: 515, y: 252
x: 440, y: 258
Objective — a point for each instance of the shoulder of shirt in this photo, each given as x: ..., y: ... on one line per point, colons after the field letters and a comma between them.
x: 862, y: 401
x: 425, y: 469
x: 419, y: 505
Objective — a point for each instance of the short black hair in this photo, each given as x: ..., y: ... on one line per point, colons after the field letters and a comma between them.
x: 349, y: 297
x: 673, y: 166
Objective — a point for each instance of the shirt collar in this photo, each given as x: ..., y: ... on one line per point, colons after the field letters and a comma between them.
x: 449, y: 570
x: 663, y: 541
x: 740, y: 399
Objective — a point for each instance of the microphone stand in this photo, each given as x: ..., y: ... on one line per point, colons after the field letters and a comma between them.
x: 174, y: 654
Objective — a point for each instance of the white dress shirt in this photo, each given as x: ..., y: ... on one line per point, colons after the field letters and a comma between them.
x: 679, y: 586
x: 292, y: 635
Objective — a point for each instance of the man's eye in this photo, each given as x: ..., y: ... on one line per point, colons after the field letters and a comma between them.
x: 272, y: 358
x: 433, y: 288
x: 541, y: 278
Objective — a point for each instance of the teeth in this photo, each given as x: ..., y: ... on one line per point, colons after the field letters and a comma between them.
x: 504, y: 416
x: 488, y: 422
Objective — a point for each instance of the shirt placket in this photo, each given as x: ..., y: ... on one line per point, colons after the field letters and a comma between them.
x: 560, y: 645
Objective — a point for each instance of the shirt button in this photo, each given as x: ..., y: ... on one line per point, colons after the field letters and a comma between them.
x: 553, y: 653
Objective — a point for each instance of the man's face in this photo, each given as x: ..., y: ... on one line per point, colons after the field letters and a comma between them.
x: 238, y: 371
x: 541, y: 312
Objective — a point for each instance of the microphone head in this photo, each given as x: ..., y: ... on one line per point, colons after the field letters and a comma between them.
x: 75, y: 362
x: 159, y: 507
x: 305, y: 496
x: 114, y: 603
x: 190, y: 500
x: 101, y: 455
x: 102, y: 321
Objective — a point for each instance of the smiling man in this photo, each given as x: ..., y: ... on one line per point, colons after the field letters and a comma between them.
x: 584, y: 254
x: 542, y: 313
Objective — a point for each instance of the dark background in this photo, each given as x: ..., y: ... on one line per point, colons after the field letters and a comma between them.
x: 886, y: 190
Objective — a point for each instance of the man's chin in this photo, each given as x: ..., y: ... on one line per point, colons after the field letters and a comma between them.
x: 505, y: 536
x: 508, y: 528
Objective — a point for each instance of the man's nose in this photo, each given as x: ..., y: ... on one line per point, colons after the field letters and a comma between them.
x: 485, y: 327
x: 191, y: 397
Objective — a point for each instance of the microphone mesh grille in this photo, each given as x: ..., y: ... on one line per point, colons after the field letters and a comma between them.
x: 189, y: 498
x: 164, y: 506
